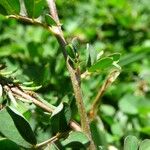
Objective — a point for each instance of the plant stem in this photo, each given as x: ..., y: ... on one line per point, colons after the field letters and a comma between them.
x: 75, y: 77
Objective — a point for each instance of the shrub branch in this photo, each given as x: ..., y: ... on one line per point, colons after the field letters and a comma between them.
x: 75, y: 76
x: 97, y: 101
x: 29, y: 96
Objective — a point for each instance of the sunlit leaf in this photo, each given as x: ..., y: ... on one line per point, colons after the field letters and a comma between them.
x: 101, y: 64
x: 115, y: 56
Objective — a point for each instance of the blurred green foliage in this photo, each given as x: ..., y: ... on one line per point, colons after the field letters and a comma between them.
x: 107, y: 25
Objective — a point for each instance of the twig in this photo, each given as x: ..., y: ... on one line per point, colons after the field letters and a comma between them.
x: 29, y: 20
x: 53, y: 139
x: 96, y: 103
x: 38, y: 103
x: 74, y: 125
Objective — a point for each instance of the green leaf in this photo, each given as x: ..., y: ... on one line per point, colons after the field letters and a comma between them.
x: 91, y: 55
x: 70, y: 51
x: 34, y: 7
x: 49, y: 20
x: 51, y: 147
x: 101, y: 64
x: 116, y: 129
x: 2, y: 10
x: 145, y: 145
x: 129, y: 104
x: 75, y: 44
x: 22, y: 125
x: 10, y: 6
x: 132, y: 57
x: 131, y: 143
x: 60, y: 118
x: 9, y: 130
x: 6, y: 144
x: 34, y: 88
x: 115, y: 56
x: 98, y: 133
x: 76, y: 139
x: 107, y: 110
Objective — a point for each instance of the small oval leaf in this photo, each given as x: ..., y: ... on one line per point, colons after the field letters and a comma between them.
x: 91, y: 55
x: 131, y: 143
x: 115, y: 56
x: 60, y: 118
x: 76, y: 139
x: 129, y: 104
x: 101, y: 64
x: 22, y: 125
x: 9, y: 130
x: 49, y: 20
x: 34, y: 7
x: 75, y: 44
x: 145, y: 145
x: 70, y: 51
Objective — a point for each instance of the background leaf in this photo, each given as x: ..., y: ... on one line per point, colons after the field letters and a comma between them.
x: 98, y: 134
x: 6, y: 144
x: 2, y: 10
x: 129, y: 103
x: 11, y: 6
x: 76, y: 139
x: 145, y: 145
x: 131, y: 143
x: 34, y: 7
